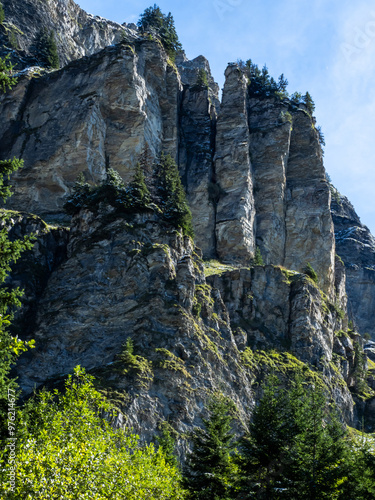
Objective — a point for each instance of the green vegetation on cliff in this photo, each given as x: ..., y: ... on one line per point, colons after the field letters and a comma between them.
x: 10, y: 251
x: 153, y: 21
x: 169, y: 198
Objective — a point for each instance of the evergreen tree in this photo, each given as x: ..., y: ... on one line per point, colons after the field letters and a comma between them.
x: 47, y: 49
x: 264, y: 448
x: 296, y: 448
x: 137, y: 193
x: 210, y: 472
x: 282, y: 83
x: 6, y: 79
x: 317, y: 467
x: 171, y: 194
x: 78, y: 197
x: 167, y: 443
x: 202, y: 80
x: 258, y: 259
x: 309, y: 103
x: 154, y: 21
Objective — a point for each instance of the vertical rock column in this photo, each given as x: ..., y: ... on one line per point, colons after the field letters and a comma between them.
x: 270, y: 129
x: 309, y: 227
x: 195, y: 163
x: 235, y: 214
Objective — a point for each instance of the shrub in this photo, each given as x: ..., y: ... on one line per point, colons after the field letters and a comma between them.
x: 6, y: 79
x: 310, y: 272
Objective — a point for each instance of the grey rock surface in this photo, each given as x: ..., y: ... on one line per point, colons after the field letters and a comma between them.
x: 356, y: 247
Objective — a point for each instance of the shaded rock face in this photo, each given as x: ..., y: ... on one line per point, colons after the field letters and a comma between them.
x: 94, y: 114
x: 356, y: 247
x: 197, y: 129
x: 77, y: 33
x: 31, y: 273
x: 133, y: 277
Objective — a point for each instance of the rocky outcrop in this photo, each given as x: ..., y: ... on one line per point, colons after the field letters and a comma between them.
x: 77, y: 34
x: 132, y: 277
x: 235, y: 213
x: 125, y: 295
x: 309, y: 227
x: 95, y: 113
x: 356, y: 247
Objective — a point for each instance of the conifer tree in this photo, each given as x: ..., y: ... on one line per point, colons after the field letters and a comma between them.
x: 167, y: 442
x: 172, y: 197
x: 137, y: 193
x: 210, y: 472
x: 47, y: 49
x: 154, y: 21
x: 317, y: 467
x: 264, y: 448
x: 309, y: 103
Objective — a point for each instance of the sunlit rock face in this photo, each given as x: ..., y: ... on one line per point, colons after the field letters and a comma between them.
x: 255, y: 182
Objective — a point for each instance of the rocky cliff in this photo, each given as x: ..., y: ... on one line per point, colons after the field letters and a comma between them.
x: 356, y: 247
x: 150, y: 312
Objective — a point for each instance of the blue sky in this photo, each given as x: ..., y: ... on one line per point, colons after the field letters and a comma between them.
x: 325, y: 47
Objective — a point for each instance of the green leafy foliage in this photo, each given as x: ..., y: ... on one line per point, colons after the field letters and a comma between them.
x: 154, y: 22
x: 68, y: 450
x: 210, y: 467
x: 10, y: 251
x: 2, y: 14
x: 47, y: 48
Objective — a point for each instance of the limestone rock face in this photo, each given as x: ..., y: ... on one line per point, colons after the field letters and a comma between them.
x: 197, y: 122
x: 235, y: 213
x: 276, y: 312
x: 309, y: 227
x: 269, y: 149
x: 93, y: 114
x: 136, y: 278
x: 132, y: 277
x: 356, y: 247
x: 77, y: 33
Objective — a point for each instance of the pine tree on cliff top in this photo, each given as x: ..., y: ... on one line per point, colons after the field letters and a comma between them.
x: 153, y: 20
